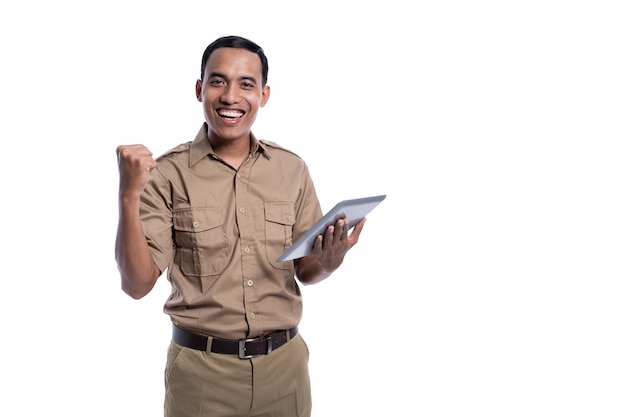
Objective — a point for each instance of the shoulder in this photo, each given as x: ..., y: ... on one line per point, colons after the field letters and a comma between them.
x: 275, y: 148
x: 175, y: 151
x: 292, y: 164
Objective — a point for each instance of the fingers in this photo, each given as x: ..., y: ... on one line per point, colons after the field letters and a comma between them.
x: 135, y: 159
x: 137, y: 156
x: 317, y: 245
x: 337, y: 233
x: 135, y: 163
x: 331, y: 247
x: 354, y: 236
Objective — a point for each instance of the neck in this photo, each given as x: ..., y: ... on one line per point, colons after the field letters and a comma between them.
x: 233, y: 152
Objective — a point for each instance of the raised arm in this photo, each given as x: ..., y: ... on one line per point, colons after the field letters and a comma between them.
x: 134, y: 260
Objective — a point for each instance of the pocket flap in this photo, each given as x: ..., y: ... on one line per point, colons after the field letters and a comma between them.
x: 197, y: 219
x: 280, y: 212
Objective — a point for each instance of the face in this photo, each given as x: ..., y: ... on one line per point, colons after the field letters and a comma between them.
x: 231, y: 94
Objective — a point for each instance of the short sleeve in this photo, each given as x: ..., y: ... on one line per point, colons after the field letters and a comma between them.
x: 156, y: 218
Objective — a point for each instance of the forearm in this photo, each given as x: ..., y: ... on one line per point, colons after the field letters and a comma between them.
x: 134, y: 260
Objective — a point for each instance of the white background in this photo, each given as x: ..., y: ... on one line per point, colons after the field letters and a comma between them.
x: 490, y: 282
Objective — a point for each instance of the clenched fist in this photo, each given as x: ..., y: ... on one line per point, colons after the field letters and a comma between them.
x: 135, y: 163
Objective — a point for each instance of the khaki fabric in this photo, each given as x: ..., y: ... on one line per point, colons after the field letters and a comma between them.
x: 219, y: 230
x: 206, y: 384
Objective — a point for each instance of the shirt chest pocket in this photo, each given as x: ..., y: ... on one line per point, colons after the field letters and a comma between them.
x: 279, y: 220
x: 201, y: 244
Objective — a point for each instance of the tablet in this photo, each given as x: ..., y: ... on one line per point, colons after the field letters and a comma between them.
x: 354, y: 210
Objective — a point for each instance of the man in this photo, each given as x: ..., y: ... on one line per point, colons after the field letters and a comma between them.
x: 216, y: 213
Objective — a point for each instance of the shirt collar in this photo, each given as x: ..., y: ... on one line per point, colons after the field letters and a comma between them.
x: 201, y: 147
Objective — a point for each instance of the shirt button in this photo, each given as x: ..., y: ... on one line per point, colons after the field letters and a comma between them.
x: 242, y: 210
x: 252, y: 316
x: 290, y: 218
x: 196, y: 224
x: 246, y: 249
x: 250, y: 283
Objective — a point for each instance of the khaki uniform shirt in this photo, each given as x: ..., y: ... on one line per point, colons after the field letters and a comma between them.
x: 219, y: 231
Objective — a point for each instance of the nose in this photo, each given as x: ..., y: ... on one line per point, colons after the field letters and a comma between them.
x: 230, y: 95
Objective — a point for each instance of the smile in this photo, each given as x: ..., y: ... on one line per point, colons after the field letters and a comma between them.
x: 230, y: 114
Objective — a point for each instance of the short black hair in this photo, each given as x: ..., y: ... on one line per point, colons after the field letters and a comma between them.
x: 236, y: 42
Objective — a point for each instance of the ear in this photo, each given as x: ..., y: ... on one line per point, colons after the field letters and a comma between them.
x: 265, y: 95
x: 199, y: 90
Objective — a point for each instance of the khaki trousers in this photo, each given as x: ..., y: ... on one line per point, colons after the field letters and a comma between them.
x: 206, y: 384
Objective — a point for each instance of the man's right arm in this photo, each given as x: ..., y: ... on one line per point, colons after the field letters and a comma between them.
x: 134, y: 259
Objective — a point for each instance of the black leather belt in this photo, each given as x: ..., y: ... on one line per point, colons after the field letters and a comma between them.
x: 245, y: 348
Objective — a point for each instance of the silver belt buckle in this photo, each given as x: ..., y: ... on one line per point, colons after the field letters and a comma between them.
x: 242, y: 347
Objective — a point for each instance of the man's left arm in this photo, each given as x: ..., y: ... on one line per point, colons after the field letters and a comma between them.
x: 328, y: 252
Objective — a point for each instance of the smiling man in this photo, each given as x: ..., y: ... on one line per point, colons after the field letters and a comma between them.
x: 216, y: 213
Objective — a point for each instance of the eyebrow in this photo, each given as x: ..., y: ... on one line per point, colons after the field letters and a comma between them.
x: 221, y: 75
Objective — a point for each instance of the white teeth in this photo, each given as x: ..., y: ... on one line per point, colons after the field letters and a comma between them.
x: 230, y: 113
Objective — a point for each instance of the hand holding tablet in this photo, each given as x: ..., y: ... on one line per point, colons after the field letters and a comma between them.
x: 354, y: 210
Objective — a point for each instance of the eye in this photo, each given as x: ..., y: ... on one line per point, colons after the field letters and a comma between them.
x: 247, y: 85
x: 216, y: 82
